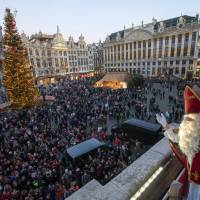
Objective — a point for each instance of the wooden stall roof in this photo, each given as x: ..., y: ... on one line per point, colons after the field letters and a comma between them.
x: 115, y: 77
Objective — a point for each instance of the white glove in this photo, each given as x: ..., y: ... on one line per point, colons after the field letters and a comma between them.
x: 167, y: 114
x: 161, y: 119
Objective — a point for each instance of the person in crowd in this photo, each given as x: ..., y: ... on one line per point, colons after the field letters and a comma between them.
x: 34, y: 141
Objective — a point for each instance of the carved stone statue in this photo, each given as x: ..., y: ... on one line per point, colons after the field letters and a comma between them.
x: 161, y: 26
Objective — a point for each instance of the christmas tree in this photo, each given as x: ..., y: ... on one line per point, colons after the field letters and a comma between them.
x: 17, y: 74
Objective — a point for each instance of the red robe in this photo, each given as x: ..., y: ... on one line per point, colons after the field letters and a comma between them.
x: 191, y: 173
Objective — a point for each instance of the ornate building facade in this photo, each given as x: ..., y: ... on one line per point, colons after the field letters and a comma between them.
x: 97, y: 54
x: 161, y: 48
x: 197, y: 75
x: 51, y: 55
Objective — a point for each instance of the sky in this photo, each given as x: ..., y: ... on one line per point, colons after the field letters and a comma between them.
x: 95, y: 19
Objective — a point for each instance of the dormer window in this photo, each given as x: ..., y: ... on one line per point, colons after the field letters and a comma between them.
x: 118, y: 36
x: 181, y: 22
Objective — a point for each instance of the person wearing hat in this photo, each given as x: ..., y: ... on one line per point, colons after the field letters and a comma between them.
x: 185, y: 143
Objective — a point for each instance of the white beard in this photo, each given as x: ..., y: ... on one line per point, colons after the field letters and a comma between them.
x: 189, y: 133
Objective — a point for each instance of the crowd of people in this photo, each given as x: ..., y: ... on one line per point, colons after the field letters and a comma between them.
x: 34, y: 142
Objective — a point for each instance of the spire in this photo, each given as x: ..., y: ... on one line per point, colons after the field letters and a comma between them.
x: 15, y: 13
x: 58, y: 30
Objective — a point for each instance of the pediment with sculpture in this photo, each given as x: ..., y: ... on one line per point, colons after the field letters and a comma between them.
x: 136, y: 35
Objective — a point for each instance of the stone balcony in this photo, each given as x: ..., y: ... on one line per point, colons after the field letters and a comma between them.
x: 153, y: 171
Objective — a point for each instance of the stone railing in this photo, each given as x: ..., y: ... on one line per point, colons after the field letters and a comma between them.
x: 130, y: 181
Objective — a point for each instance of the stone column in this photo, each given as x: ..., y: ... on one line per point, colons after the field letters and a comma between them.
x: 189, y: 43
x: 157, y: 48
x: 182, y: 45
x: 175, y: 46
x: 141, y: 50
x: 169, y: 46
x: 129, y: 51
x: 137, y: 51
x: 146, y: 57
x: 163, y: 47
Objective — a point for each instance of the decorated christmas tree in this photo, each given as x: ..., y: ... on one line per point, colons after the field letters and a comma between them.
x: 17, y: 74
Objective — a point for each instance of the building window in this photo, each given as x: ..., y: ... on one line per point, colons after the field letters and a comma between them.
x: 139, y: 44
x: 37, y: 52
x: 139, y: 53
x: 149, y: 53
x: 50, y: 62
x: 184, y: 62
x: 44, y: 63
x: 166, y: 52
x: 190, y: 62
x: 178, y: 50
x: 122, y: 55
x: 171, y: 62
x: 176, y: 70
x: 126, y: 47
x: 144, y: 44
x: 130, y: 47
x: 32, y: 62
x: 49, y: 53
x: 118, y: 47
x: 167, y: 41
x: 183, y: 71
x: 38, y: 63
x: 194, y: 36
x: 192, y: 50
x: 43, y: 52
x: 149, y: 43
x: 173, y: 40
x: 30, y: 52
x: 153, y: 71
x: 144, y: 53
x: 186, y: 37
x: 179, y: 38
x: 177, y: 62
x: 172, y: 51
x: 185, y: 51
x: 131, y: 55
